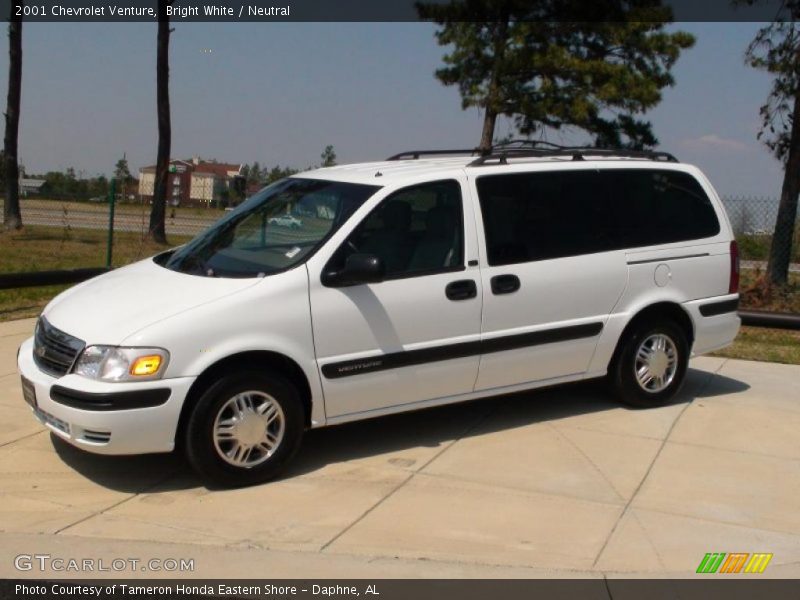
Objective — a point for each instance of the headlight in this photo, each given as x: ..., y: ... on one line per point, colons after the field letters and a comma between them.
x: 111, y: 363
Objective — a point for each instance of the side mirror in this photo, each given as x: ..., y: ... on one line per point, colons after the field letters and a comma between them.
x: 358, y: 269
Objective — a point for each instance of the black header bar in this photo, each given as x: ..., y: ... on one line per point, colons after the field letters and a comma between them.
x: 599, y: 588
x: 266, y: 11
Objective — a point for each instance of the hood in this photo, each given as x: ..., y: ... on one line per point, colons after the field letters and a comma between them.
x: 111, y: 307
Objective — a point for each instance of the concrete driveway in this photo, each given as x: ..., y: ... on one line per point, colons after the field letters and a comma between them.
x: 561, y: 482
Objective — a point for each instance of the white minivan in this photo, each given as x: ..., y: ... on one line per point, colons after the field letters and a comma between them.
x: 430, y: 278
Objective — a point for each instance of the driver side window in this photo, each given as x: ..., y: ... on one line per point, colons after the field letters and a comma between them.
x: 415, y: 231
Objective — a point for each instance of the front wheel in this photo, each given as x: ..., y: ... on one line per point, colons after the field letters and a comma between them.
x: 651, y: 366
x: 244, y: 429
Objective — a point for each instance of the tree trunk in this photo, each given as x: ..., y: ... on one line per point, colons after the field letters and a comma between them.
x: 158, y: 210
x: 493, y: 96
x: 489, y: 120
x: 11, y: 212
x: 780, y: 252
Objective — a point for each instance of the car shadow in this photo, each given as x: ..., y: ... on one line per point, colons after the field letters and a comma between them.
x: 431, y: 427
x: 436, y: 427
x: 128, y: 474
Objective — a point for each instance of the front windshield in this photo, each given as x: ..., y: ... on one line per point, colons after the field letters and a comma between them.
x: 273, y: 230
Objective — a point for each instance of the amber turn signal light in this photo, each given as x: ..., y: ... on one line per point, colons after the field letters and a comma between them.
x: 146, y: 365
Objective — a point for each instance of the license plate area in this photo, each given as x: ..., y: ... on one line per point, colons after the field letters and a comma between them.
x: 29, y: 393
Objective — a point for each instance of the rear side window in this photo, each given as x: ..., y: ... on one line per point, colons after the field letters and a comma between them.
x: 658, y: 207
x: 540, y: 216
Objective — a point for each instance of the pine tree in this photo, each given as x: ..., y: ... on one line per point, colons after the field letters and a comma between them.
x: 560, y: 63
x: 776, y: 49
x: 328, y: 156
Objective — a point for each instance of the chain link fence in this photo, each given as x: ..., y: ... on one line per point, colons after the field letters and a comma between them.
x: 70, y: 233
x: 69, y: 213
x: 65, y: 232
x: 753, y: 222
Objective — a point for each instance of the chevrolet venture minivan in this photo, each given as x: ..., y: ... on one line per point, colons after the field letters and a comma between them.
x: 361, y: 290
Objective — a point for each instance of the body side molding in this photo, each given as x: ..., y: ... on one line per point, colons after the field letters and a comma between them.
x: 407, y: 358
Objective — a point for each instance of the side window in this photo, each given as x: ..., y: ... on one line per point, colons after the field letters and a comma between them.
x: 417, y: 230
x: 658, y: 207
x: 540, y: 216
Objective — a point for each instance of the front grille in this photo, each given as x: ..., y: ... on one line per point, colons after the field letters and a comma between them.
x: 53, y: 350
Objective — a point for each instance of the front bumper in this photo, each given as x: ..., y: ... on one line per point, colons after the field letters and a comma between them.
x: 96, y: 416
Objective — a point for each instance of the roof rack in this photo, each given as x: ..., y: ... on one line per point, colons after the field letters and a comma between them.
x: 542, y: 149
x: 415, y: 154
x: 523, y: 143
x: 543, y: 144
x: 535, y: 149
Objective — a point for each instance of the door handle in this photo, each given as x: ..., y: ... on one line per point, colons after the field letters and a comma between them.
x: 463, y: 289
x: 505, y: 284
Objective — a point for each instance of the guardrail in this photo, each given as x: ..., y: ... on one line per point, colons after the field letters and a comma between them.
x: 10, y: 281
x: 755, y: 318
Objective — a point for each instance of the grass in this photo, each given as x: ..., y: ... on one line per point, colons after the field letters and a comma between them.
x: 771, y: 345
x: 756, y: 247
x: 22, y: 303
x: 755, y: 295
x: 40, y: 248
x: 758, y: 343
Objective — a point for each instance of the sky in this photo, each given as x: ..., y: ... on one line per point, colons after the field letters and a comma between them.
x: 278, y: 93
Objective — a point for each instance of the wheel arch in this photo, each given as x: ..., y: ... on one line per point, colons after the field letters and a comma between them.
x: 668, y: 310
x: 256, y: 359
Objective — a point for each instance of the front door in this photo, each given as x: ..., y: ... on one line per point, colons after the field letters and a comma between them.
x: 414, y: 336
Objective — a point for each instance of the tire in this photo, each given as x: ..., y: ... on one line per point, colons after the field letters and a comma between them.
x: 646, y: 351
x: 259, y: 421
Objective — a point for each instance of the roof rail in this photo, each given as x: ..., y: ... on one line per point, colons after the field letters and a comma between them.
x: 523, y: 143
x: 502, y: 153
x: 517, y: 144
x: 415, y: 154
x: 535, y: 149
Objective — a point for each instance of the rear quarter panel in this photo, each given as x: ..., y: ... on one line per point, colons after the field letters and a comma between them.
x: 660, y: 274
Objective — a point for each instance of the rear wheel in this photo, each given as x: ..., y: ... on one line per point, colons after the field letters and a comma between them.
x: 650, y: 367
x: 244, y: 429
